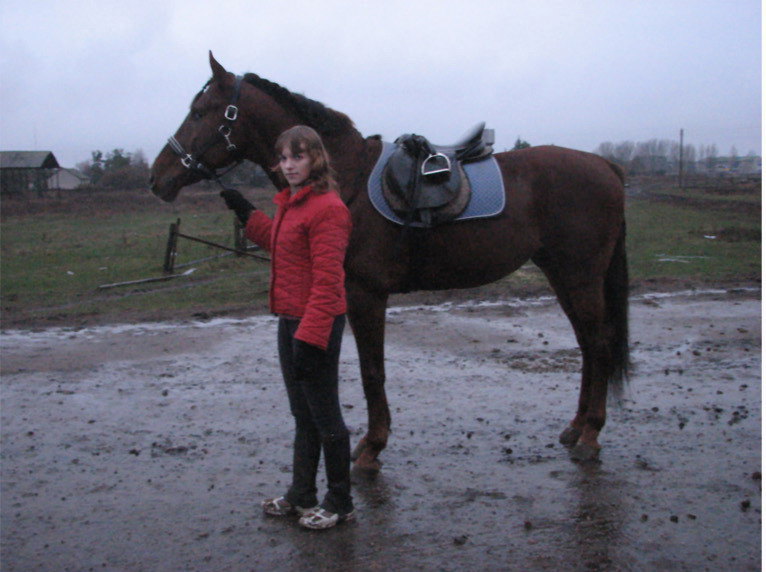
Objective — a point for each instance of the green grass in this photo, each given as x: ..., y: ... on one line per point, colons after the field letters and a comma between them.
x: 701, y: 244
x: 56, y: 255
x: 714, y: 197
x: 52, y: 266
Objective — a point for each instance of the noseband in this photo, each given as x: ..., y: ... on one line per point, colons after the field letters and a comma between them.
x: 194, y: 162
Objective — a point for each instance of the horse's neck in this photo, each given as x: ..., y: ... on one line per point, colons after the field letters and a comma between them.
x: 353, y: 158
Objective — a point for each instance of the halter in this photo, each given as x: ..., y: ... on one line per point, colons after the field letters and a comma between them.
x: 194, y: 163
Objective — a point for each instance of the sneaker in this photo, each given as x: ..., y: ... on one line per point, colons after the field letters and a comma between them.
x: 320, y: 519
x: 282, y: 507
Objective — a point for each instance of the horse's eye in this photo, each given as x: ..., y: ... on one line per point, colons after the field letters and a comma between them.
x: 196, y: 115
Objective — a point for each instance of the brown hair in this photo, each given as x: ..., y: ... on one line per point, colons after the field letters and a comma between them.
x: 303, y: 139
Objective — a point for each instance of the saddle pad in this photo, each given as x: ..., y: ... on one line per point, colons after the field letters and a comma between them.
x: 487, y: 188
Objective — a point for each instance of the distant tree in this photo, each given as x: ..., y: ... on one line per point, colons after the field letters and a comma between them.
x: 690, y: 159
x: 117, y: 170
x: 95, y: 168
x: 606, y: 150
x: 623, y: 152
x: 520, y: 144
x: 138, y: 159
x: 711, y: 156
x: 654, y: 156
x: 661, y: 156
x: 116, y: 160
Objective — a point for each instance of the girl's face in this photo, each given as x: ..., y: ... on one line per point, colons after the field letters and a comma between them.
x: 295, y: 168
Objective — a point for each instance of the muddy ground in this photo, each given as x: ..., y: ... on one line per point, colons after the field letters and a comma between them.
x: 148, y: 447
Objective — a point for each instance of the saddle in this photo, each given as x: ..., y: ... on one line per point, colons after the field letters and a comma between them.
x: 425, y: 183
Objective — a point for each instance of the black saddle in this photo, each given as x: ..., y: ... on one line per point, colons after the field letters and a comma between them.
x: 425, y: 184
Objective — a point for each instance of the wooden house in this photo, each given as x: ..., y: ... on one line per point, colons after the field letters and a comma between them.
x: 24, y: 172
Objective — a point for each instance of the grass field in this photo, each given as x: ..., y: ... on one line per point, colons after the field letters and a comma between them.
x: 695, y: 234
x: 57, y: 252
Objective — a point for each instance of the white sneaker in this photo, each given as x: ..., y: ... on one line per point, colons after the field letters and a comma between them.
x: 318, y: 518
x: 280, y: 506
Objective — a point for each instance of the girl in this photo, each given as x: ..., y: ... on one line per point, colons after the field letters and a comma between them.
x: 307, y: 239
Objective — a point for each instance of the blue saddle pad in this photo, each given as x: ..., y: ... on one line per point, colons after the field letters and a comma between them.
x: 487, y: 188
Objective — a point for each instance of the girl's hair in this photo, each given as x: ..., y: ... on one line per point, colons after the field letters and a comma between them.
x: 303, y: 139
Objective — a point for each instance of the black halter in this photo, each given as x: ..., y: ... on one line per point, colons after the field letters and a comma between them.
x: 194, y: 162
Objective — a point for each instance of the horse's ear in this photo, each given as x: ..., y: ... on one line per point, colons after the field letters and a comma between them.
x: 219, y: 73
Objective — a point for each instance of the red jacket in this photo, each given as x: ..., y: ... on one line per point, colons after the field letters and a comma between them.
x: 307, y: 239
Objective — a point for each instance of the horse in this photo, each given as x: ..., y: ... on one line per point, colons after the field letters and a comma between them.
x: 564, y: 211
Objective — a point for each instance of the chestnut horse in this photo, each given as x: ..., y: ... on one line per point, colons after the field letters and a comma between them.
x: 564, y: 210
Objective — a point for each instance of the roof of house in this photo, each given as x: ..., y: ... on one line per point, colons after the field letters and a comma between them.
x: 74, y: 173
x: 28, y: 160
x: 79, y: 174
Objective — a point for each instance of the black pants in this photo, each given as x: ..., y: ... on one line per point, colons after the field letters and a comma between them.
x: 319, y: 426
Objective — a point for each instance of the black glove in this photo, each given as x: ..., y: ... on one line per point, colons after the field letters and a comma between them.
x: 239, y: 204
x: 308, y: 359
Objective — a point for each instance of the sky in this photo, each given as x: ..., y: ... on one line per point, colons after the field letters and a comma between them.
x: 78, y: 76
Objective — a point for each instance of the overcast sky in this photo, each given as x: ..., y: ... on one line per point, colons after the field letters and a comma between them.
x: 78, y: 75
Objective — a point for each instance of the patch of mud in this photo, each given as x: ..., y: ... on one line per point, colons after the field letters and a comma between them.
x: 149, y: 447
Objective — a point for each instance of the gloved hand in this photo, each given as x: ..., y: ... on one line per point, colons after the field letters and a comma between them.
x: 239, y: 204
x: 307, y: 359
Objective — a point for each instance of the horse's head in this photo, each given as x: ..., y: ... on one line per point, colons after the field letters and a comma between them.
x: 235, y: 118
x: 214, y: 135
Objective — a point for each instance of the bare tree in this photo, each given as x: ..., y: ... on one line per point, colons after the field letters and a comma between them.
x: 624, y: 151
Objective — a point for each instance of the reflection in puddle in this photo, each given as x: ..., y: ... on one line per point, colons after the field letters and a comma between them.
x: 598, y: 516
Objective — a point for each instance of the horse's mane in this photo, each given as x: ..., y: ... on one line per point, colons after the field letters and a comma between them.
x: 312, y: 113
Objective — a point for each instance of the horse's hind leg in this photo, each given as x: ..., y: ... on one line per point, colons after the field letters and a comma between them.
x: 584, y: 304
x: 596, y: 358
x: 367, y: 317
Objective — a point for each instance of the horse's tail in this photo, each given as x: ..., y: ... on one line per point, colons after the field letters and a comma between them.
x: 616, y: 294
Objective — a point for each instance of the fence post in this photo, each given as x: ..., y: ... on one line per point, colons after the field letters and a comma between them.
x: 240, y: 244
x: 170, y: 251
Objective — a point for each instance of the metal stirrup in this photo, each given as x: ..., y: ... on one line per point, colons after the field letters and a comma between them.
x: 435, y: 157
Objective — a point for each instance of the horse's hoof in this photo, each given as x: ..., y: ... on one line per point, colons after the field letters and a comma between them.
x: 584, y: 453
x: 569, y: 436
x: 367, y: 468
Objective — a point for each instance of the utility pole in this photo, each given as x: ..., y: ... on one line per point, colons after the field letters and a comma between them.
x: 681, y: 162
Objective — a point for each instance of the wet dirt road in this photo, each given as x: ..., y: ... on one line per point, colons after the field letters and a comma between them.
x: 148, y: 447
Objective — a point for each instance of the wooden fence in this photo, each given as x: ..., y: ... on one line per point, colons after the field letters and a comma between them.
x: 171, y: 252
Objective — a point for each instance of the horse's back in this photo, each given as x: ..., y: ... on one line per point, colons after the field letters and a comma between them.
x: 550, y: 161
x: 558, y: 180
x: 575, y: 204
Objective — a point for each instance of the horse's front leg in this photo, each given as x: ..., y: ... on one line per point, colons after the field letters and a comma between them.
x: 367, y: 317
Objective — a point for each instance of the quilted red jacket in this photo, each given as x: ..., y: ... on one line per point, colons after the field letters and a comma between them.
x: 307, y: 239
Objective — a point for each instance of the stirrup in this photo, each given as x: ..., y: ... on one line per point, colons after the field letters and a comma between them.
x: 280, y: 506
x: 320, y: 519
